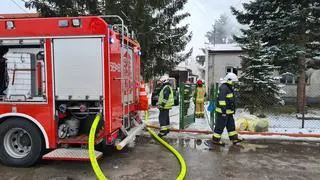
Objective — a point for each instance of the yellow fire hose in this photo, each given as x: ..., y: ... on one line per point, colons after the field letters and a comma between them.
x: 183, y: 166
x: 93, y: 160
x: 94, y: 163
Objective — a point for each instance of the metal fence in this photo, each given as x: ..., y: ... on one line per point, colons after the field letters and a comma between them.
x: 284, y: 117
x: 187, y: 105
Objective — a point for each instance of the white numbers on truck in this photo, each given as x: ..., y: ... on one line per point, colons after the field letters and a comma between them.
x: 115, y: 67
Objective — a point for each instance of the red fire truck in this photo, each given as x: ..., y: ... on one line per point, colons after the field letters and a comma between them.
x: 56, y: 75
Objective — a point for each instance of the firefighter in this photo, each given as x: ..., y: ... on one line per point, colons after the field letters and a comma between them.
x: 200, y: 98
x: 225, y: 109
x: 4, y: 77
x: 165, y: 103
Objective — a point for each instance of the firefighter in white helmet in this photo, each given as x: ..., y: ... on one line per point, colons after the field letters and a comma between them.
x: 165, y: 103
x: 225, y: 109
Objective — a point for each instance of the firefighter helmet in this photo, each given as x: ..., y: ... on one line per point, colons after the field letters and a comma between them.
x: 164, y: 79
x: 231, y: 77
x: 199, y: 82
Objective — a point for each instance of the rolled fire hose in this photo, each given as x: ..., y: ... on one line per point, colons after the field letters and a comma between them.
x: 183, y: 166
x: 92, y: 155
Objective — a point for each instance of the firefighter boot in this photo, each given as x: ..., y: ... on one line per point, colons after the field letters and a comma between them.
x: 217, y: 141
x: 235, y: 139
x: 197, y: 115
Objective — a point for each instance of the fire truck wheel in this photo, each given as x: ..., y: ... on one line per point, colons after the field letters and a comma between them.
x: 21, y: 143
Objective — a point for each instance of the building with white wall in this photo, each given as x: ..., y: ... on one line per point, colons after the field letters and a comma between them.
x: 224, y: 58
x: 221, y: 59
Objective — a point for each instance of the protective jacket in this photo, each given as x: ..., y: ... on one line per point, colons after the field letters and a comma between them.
x: 225, y: 103
x: 200, y: 94
x: 166, y: 98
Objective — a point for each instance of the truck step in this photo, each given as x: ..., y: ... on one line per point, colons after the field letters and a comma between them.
x: 71, y: 154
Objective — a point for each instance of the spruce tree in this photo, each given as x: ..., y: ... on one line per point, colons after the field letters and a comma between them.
x: 171, y: 38
x: 259, y: 88
x: 54, y: 8
x: 287, y: 27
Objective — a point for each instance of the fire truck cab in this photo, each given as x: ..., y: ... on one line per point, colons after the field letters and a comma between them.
x: 56, y: 75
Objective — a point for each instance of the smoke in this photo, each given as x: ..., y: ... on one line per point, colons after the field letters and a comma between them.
x: 232, y: 27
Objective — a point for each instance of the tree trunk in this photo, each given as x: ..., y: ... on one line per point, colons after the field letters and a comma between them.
x: 251, y: 109
x: 301, y: 102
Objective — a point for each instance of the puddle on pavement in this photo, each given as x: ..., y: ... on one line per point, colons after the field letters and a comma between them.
x: 199, y: 144
x: 185, y: 145
x: 189, y: 144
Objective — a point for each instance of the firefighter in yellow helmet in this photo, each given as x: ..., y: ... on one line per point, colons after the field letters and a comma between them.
x: 165, y: 103
x: 225, y: 109
x: 200, y: 98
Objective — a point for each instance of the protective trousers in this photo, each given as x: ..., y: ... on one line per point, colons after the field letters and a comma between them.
x: 200, y: 109
x: 222, y: 122
x: 164, y: 118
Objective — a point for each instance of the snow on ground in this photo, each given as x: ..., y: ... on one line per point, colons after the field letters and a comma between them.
x: 277, y: 123
x: 295, y: 130
x: 279, y: 137
x: 201, y: 124
x: 174, y: 117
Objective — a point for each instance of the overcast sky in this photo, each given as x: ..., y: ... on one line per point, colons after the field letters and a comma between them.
x: 203, y: 14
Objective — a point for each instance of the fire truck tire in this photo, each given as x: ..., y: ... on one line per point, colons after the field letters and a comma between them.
x: 21, y: 143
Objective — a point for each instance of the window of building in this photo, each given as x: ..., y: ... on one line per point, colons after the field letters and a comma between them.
x: 25, y: 71
x: 289, y: 79
x: 232, y: 70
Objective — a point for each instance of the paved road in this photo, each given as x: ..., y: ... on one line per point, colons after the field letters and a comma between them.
x: 148, y: 160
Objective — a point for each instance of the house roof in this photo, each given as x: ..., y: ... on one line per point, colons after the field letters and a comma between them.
x: 180, y: 68
x: 224, y: 48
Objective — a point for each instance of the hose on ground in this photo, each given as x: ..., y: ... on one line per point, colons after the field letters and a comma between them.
x: 94, y: 162
x: 92, y: 155
x: 183, y: 166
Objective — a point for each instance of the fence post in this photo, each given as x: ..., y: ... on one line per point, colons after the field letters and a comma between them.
x: 304, y: 104
x: 214, y: 93
x: 216, y: 97
x: 181, y: 124
x: 212, y: 96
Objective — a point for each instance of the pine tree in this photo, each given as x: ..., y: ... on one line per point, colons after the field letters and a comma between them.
x: 259, y: 88
x: 170, y: 38
x: 159, y: 32
x: 287, y: 27
x: 156, y: 24
x: 54, y: 8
